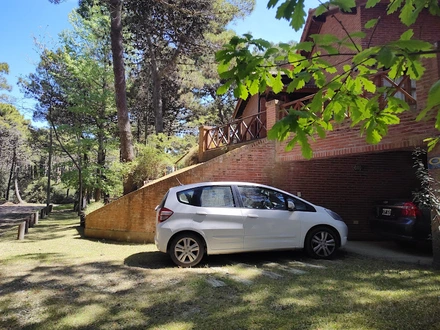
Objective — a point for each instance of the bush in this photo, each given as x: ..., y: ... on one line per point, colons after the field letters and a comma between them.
x: 36, y: 193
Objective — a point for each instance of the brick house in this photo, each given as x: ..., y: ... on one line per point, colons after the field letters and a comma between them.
x: 345, y: 174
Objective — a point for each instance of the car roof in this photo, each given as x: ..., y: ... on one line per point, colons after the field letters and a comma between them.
x: 217, y: 183
x: 224, y: 183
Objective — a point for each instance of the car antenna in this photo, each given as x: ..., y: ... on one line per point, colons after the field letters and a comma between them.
x: 179, y: 181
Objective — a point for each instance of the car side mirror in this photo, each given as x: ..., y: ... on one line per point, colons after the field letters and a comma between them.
x: 290, y: 205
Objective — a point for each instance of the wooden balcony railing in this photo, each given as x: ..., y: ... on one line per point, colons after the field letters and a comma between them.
x: 404, y: 88
x: 241, y: 130
x: 254, y: 127
x: 296, y: 105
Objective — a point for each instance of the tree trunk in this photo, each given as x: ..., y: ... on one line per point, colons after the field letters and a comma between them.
x: 157, y: 101
x: 101, y: 163
x: 17, y: 191
x: 11, y: 175
x: 126, y: 146
x: 49, y: 168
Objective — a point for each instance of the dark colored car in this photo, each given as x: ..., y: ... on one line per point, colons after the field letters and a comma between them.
x: 401, y: 220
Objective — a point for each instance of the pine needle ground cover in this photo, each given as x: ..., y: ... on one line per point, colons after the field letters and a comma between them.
x: 57, y: 279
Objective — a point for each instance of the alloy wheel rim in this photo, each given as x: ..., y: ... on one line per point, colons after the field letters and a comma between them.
x: 187, y: 250
x: 323, y: 244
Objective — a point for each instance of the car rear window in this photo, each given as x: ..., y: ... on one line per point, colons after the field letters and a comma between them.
x: 209, y: 196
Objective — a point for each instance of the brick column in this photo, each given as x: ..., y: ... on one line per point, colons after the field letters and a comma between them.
x: 202, y: 140
x: 272, y: 109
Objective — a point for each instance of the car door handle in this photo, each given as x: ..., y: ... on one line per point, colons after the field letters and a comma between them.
x: 252, y: 216
x: 201, y: 213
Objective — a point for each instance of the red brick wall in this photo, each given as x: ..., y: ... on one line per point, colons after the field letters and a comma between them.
x: 132, y: 217
x: 349, y: 185
x: 390, y: 28
x: 344, y: 140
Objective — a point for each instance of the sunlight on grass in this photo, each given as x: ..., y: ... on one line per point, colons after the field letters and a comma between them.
x: 57, y: 279
x: 83, y: 316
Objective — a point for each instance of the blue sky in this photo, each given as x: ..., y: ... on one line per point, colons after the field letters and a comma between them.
x: 24, y: 20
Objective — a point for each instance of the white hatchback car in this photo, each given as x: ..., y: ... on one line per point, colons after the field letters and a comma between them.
x: 229, y: 217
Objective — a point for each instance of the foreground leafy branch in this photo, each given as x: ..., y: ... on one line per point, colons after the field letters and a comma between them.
x: 253, y: 65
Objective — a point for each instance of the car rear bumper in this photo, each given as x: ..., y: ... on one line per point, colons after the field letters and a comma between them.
x: 162, y: 237
x: 407, y: 229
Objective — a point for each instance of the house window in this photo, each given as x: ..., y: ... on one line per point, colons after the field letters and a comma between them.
x: 403, y: 84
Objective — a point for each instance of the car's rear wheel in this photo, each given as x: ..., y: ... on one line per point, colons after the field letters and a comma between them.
x: 321, y: 243
x: 187, y: 250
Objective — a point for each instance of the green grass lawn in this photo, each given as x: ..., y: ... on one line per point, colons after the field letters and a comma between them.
x: 56, y: 279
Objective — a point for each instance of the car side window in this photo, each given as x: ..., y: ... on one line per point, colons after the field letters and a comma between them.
x: 300, y: 205
x: 209, y: 196
x: 262, y: 198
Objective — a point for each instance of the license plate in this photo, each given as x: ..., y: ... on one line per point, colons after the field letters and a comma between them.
x: 386, y: 212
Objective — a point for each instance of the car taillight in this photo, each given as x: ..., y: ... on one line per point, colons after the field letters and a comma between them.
x: 164, y: 214
x: 410, y: 210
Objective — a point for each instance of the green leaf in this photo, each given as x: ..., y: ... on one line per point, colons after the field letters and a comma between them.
x: 317, y: 102
x: 295, y: 57
x: 386, y: 57
x: 365, y: 54
x: 324, y: 39
x: 320, y: 10
x: 412, y: 45
x: 297, y: 19
x: 437, y: 121
x: 372, y: 3
x: 293, y: 11
x: 394, y: 5
x: 296, y: 83
x: 371, y: 22
x: 253, y: 86
x: 303, y: 141
x: 271, y: 4
x: 368, y: 84
x: 433, y: 100
x: 321, y: 132
x: 345, y: 5
x: 241, y: 92
x: 407, y: 35
x: 277, y: 85
x: 358, y: 34
x: 373, y: 136
x: 223, y: 89
x: 306, y: 45
x: 407, y: 16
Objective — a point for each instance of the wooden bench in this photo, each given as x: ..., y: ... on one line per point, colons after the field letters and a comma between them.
x: 25, y: 216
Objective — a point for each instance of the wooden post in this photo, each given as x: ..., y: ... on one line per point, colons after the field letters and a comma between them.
x: 36, y: 214
x: 31, y: 221
x: 26, y: 229
x: 21, y: 230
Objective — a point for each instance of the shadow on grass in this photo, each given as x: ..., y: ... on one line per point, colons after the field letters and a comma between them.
x: 150, y: 260
x: 355, y: 294
x: 158, y: 260
x: 146, y: 291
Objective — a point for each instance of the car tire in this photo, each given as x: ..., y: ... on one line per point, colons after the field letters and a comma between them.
x: 321, y: 243
x: 187, y: 250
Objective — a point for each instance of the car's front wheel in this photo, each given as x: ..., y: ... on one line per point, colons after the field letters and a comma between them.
x: 187, y: 250
x: 321, y: 243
